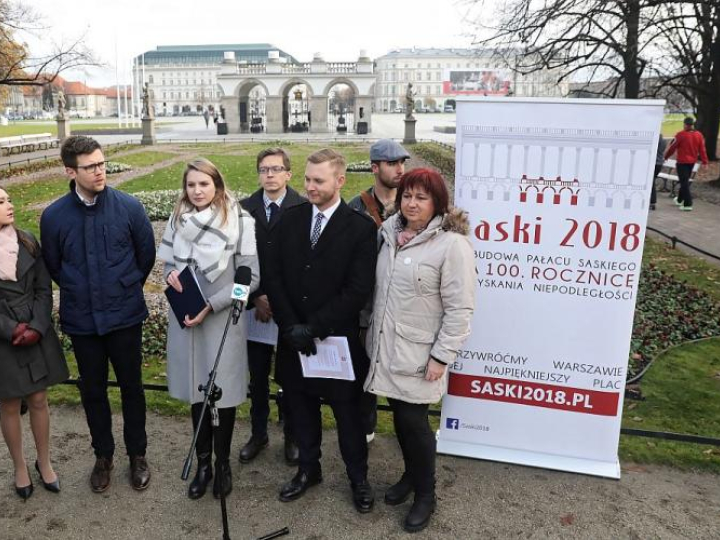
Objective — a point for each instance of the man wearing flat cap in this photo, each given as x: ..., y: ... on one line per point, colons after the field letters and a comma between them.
x: 387, y: 159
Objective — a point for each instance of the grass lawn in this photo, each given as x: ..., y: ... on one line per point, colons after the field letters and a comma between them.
x: 682, y: 395
x: 31, y: 128
x: 144, y: 159
x: 238, y: 168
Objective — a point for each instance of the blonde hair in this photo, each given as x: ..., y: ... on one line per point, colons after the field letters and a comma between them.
x: 223, y: 196
x: 335, y: 158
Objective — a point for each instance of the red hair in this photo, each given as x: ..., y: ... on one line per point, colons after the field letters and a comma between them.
x: 430, y: 181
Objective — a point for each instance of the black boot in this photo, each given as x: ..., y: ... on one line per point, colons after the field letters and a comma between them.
x: 399, y: 493
x: 420, y: 512
x: 222, y: 438
x: 204, y: 474
x: 203, y: 451
x: 223, y: 478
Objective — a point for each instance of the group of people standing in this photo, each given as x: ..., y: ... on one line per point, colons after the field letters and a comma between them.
x: 392, y: 272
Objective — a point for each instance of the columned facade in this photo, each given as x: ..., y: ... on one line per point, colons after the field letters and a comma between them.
x: 310, y: 108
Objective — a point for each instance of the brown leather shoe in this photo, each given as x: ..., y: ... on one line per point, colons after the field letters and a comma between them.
x: 100, y: 476
x: 139, y: 473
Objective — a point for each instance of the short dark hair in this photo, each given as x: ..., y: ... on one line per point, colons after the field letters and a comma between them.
x: 274, y: 151
x: 75, y: 146
x: 429, y: 180
x: 689, y: 121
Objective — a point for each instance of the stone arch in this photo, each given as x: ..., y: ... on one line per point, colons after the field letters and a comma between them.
x: 243, y: 89
x: 341, y: 80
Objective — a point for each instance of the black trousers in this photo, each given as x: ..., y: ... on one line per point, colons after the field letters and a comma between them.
x: 259, y: 365
x: 368, y: 409
x: 684, y: 170
x: 653, y: 193
x: 123, y: 349
x: 219, y: 438
x: 307, y: 425
x: 417, y: 443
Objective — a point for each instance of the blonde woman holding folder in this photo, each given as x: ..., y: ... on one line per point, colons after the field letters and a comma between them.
x: 211, y: 234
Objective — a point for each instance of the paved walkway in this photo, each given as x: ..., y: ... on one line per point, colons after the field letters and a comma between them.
x: 477, y: 499
x: 701, y: 227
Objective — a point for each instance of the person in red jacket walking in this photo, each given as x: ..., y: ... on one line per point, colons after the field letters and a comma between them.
x: 689, y: 144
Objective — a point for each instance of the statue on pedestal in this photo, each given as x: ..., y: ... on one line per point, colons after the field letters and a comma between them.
x: 146, y: 110
x: 61, y: 104
x: 409, y: 101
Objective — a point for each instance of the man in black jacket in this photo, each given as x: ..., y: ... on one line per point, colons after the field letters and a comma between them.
x: 267, y: 205
x: 322, y: 274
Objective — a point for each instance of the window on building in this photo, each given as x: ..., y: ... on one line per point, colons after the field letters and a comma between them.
x: 428, y: 76
x: 187, y: 95
x: 172, y: 95
x: 163, y: 94
x: 392, y: 89
x: 419, y: 90
x: 437, y: 89
x: 406, y: 76
x: 151, y: 79
x: 418, y: 76
x: 427, y: 89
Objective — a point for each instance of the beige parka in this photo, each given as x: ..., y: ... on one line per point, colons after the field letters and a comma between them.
x: 423, y: 302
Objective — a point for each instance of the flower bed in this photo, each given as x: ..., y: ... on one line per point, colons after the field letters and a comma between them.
x: 668, y: 312
x: 359, y: 166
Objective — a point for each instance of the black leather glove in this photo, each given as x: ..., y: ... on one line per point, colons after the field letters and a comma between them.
x: 300, y: 338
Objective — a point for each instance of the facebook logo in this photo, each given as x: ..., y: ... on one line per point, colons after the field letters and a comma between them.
x: 452, y: 423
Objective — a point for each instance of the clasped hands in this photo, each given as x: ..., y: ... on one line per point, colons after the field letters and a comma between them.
x: 301, y: 338
x: 24, y: 336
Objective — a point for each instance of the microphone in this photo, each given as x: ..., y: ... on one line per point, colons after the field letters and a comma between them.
x: 240, y: 291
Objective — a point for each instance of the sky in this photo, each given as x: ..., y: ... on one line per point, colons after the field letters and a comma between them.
x: 339, y: 30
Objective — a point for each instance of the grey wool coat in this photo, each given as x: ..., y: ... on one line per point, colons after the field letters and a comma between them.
x: 191, y: 351
x: 26, y: 370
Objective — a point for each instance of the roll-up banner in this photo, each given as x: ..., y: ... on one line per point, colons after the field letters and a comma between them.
x: 557, y: 191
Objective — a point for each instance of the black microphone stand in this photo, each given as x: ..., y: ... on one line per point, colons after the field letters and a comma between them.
x: 213, y: 393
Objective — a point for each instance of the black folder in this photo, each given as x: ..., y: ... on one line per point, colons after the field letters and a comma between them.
x: 190, y: 302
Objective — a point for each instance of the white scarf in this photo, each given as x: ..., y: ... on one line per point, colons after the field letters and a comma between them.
x: 200, y: 240
x: 8, y: 253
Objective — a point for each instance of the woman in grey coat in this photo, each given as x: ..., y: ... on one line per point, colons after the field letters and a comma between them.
x: 31, y: 358
x: 424, y: 299
x: 209, y: 233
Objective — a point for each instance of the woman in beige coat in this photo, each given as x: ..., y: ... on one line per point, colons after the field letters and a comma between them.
x: 423, y: 303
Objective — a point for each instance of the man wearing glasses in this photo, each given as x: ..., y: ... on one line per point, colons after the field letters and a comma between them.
x: 267, y: 205
x: 99, y: 247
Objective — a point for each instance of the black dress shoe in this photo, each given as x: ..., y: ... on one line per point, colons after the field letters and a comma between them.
x: 223, y: 478
x: 399, y: 493
x: 363, y: 496
x: 297, y: 487
x: 420, y: 512
x: 292, y: 454
x: 50, y: 486
x: 253, y: 447
x: 202, y: 478
x: 25, y: 492
x: 100, y: 476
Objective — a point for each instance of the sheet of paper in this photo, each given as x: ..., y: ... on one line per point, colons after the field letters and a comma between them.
x: 260, y: 332
x: 332, y: 361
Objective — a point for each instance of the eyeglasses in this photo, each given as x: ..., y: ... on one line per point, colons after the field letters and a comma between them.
x: 92, y: 167
x: 277, y: 169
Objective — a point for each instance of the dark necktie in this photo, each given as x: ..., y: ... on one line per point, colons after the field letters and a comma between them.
x: 274, y: 208
x: 315, y: 235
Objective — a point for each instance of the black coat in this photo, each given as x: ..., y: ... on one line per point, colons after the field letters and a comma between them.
x: 25, y: 370
x: 325, y: 287
x: 266, y: 233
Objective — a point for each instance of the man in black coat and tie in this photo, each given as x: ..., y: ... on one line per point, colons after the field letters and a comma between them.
x: 322, y: 274
x: 267, y: 205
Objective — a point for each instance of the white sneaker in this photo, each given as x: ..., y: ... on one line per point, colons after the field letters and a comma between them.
x: 370, y: 437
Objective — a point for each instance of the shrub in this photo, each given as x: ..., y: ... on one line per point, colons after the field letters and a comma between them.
x: 114, y: 167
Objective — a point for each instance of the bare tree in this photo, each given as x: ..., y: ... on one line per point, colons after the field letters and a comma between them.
x: 18, y: 65
x: 595, y: 40
x: 691, y: 48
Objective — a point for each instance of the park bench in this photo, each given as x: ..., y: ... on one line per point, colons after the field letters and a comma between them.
x: 668, y: 173
x: 27, y: 143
